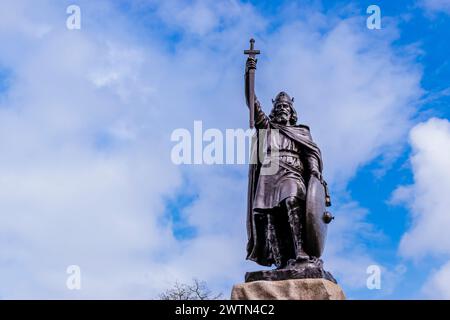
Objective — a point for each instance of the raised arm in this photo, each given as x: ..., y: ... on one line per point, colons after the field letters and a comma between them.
x: 261, y: 120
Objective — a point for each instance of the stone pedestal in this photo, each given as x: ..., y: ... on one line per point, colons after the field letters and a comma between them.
x: 294, y: 289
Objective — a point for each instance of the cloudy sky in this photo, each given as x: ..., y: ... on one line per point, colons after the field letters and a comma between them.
x: 86, y: 117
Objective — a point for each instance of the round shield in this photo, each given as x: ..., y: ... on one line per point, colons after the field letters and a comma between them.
x: 315, y: 225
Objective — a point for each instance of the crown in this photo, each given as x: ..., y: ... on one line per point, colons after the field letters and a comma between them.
x: 283, y: 97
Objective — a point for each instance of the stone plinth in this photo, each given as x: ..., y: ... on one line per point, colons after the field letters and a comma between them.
x: 295, y: 289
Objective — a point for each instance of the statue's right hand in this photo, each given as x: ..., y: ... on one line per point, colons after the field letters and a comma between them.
x: 251, y: 63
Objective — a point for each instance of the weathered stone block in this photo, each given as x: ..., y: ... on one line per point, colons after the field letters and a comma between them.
x: 294, y: 289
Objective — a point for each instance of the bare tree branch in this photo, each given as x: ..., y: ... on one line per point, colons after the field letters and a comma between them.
x: 198, y: 290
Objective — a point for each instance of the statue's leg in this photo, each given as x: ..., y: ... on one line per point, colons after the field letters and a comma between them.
x: 294, y: 211
x: 273, y: 241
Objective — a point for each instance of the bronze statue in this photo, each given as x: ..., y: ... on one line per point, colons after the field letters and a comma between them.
x: 286, y: 220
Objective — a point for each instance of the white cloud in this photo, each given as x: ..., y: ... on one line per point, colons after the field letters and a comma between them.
x: 206, y: 17
x: 438, y: 284
x: 434, y: 6
x: 427, y: 197
x: 85, y: 140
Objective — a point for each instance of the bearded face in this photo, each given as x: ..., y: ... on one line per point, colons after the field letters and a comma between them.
x: 282, y: 113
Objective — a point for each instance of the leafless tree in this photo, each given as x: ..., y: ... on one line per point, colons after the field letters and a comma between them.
x: 198, y: 290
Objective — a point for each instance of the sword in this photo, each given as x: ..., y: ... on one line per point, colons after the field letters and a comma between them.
x: 251, y: 83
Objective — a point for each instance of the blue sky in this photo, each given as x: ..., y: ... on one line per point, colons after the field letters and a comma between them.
x: 86, y: 118
x: 428, y: 30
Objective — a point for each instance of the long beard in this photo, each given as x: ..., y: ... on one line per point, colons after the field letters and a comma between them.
x: 281, y: 119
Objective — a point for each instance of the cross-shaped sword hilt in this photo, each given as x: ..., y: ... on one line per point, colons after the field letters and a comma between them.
x: 252, y: 52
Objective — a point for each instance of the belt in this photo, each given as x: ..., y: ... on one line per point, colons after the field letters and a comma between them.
x: 288, y: 153
x: 284, y: 153
x: 286, y: 165
x: 291, y: 168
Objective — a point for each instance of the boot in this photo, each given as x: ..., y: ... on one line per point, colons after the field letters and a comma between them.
x: 296, y: 228
x: 274, y: 245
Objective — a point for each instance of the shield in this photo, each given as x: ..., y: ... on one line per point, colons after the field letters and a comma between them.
x: 315, y: 220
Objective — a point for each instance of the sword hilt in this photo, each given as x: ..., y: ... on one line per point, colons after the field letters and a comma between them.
x: 252, y: 52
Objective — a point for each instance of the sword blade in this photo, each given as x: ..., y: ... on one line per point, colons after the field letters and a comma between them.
x: 251, y: 99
